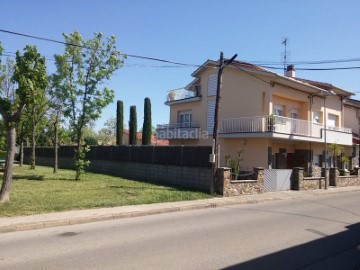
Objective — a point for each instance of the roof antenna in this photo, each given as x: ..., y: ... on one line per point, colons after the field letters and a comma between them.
x: 285, y: 43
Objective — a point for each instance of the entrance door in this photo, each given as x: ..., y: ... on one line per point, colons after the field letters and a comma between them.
x: 281, y: 159
x: 290, y: 160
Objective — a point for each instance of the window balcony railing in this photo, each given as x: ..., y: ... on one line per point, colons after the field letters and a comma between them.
x: 180, y: 94
x: 277, y: 124
x: 179, y: 125
x: 186, y: 130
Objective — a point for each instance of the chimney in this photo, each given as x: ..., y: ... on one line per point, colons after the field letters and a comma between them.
x: 290, y: 71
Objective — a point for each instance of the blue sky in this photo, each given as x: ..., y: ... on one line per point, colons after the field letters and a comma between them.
x: 192, y: 31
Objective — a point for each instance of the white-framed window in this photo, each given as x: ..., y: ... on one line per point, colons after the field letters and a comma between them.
x: 278, y: 110
x: 294, y: 113
x: 316, y: 160
x: 332, y: 120
x: 212, y: 84
x: 185, y: 118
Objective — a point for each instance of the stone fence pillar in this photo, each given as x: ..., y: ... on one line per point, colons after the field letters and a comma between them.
x: 223, y: 176
x: 296, y: 178
x: 357, y: 172
x: 259, y: 175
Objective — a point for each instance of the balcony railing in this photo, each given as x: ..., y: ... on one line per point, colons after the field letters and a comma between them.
x: 179, y: 125
x: 180, y: 94
x: 277, y: 124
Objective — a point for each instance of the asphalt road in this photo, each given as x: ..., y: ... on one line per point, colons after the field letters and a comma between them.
x: 317, y: 233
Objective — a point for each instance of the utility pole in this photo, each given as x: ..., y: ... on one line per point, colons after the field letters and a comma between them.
x: 222, y: 64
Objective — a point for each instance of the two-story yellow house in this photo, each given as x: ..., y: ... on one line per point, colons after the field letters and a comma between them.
x: 281, y: 121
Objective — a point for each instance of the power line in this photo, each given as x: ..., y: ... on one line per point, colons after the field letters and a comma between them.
x: 314, y: 69
x: 309, y: 62
x: 264, y: 64
x: 84, y: 47
x: 253, y: 75
x: 12, y: 55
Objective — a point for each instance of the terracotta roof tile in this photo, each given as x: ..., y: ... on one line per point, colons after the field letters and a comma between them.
x: 322, y: 85
x: 246, y: 65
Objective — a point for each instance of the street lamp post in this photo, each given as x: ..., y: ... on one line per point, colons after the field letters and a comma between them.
x: 325, y: 154
x: 325, y: 95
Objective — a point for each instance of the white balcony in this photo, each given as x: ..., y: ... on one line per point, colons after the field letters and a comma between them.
x: 283, y: 127
x: 181, y: 95
x: 176, y: 131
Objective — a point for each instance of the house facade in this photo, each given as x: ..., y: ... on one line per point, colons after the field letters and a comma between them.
x: 279, y: 121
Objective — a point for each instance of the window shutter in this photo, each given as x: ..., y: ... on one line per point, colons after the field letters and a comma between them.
x: 212, y: 84
x: 210, y: 116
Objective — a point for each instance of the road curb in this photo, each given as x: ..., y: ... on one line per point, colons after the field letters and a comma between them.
x: 197, y: 205
x: 81, y: 220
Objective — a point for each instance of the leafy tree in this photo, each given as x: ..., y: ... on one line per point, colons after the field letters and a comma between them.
x: 133, y: 126
x: 23, y: 131
x: 56, y: 108
x: 106, y: 135
x: 2, y: 136
x: 336, y: 151
x: 147, y: 128
x: 235, y: 163
x: 56, y: 118
x: 90, y: 140
x: 110, y: 125
x: 47, y: 135
x: 19, y: 83
x: 85, y: 65
x: 90, y: 137
x: 119, y: 122
x: 35, y: 111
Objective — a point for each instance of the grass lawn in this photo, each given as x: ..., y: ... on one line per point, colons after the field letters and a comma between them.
x: 41, y: 191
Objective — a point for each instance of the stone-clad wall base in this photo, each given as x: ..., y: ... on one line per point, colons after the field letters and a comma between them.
x: 310, y: 184
x: 299, y: 182
x: 234, y: 188
x: 228, y: 188
x: 348, y: 181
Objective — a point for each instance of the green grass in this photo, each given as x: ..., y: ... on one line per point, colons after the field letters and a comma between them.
x: 41, y: 191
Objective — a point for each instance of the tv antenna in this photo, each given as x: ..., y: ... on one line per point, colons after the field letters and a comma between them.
x: 285, y: 42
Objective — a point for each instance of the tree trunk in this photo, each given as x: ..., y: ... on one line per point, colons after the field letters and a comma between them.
x: 78, y: 160
x: 9, y: 164
x: 22, y: 153
x: 56, y: 142
x: 33, y: 149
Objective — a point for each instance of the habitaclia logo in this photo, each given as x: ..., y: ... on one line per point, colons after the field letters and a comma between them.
x: 181, y: 133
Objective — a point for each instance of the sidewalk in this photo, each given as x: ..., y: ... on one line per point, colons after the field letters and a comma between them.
x: 21, y: 223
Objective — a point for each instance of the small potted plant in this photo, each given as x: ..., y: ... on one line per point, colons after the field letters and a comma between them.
x: 171, y: 95
x: 271, y: 122
x: 235, y: 163
x: 345, y: 160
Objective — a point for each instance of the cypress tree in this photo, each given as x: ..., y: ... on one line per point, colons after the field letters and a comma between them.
x: 132, y: 126
x: 119, y: 122
x: 146, y: 131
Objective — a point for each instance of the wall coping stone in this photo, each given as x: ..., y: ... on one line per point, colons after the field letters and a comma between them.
x: 242, y: 181
x: 313, y: 178
x: 347, y: 176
